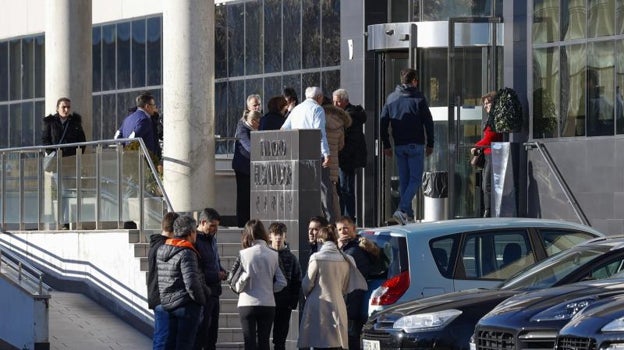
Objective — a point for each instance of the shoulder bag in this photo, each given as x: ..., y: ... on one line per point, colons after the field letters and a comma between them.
x: 478, y: 159
x: 237, y: 277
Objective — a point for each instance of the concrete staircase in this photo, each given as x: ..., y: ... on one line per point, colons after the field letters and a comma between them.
x: 230, y: 332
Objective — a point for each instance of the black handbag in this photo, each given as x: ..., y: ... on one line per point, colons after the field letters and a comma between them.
x: 237, y: 277
x: 478, y: 159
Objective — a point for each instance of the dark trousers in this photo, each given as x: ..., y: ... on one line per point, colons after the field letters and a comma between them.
x: 183, y: 322
x: 209, y: 327
x: 327, y: 196
x: 355, y: 330
x: 243, y: 190
x: 161, y: 328
x: 347, y: 192
x: 281, y: 324
x: 256, y: 322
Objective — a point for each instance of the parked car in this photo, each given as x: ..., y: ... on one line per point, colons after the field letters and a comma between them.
x: 532, y: 320
x: 600, y: 326
x: 427, y: 259
x: 447, y: 321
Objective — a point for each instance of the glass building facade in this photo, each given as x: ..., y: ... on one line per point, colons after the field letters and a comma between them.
x: 578, y: 68
x: 260, y: 48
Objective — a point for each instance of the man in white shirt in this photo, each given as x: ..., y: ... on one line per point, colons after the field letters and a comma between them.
x: 309, y: 114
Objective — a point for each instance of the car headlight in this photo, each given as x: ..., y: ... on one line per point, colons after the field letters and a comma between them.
x: 432, y: 320
x: 616, y: 325
x: 563, y: 311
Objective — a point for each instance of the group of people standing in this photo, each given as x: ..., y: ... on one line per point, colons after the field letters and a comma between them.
x: 185, y: 276
x: 342, y: 148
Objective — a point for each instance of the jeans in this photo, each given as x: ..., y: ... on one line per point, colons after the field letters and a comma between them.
x: 209, y: 326
x: 410, y: 161
x: 281, y: 324
x: 347, y: 192
x: 161, y: 328
x: 256, y: 322
x: 183, y: 323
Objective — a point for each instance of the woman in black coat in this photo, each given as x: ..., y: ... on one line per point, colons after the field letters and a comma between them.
x: 241, y: 163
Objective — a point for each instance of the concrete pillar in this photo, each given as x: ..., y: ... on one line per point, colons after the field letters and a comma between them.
x: 188, y: 101
x: 69, y: 57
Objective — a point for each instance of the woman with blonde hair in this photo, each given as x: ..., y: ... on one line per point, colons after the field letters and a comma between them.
x: 331, y: 275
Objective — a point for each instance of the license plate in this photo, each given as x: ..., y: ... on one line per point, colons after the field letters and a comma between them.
x: 370, y: 344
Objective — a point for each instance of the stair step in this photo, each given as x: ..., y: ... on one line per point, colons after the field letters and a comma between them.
x: 144, y: 264
x: 229, y: 235
x: 141, y: 249
x: 232, y: 345
x: 229, y: 249
x: 230, y: 335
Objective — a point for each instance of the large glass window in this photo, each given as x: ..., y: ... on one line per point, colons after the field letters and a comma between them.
x: 546, y: 93
x: 331, y: 33
x: 15, y: 125
x: 154, y: 51
x: 573, y: 19
x: 253, y: 41
x: 426, y: 10
x: 28, y: 68
x: 236, y: 39
x: 15, y: 70
x: 109, y: 71
x: 4, y: 71
x: 545, y: 21
x: 600, y: 91
x: 601, y: 18
x: 573, y: 68
x: 221, y: 42
x: 139, y: 36
x: 40, y: 66
x: 273, y: 36
x: 292, y: 43
x: 123, y: 55
x: 97, y: 58
x: 311, y: 36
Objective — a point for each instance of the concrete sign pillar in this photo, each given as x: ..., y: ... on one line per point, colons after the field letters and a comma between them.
x: 188, y: 101
x: 286, y: 187
x: 69, y: 58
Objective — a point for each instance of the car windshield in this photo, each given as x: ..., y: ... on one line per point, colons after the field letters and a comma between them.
x: 550, y: 271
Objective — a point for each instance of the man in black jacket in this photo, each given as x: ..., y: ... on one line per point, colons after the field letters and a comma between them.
x: 182, y: 291
x: 214, y: 273
x: 348, y: 242
x: 353, y: 154
x: 63, y: 127
x: 161, y: 317
x: 407, y: 111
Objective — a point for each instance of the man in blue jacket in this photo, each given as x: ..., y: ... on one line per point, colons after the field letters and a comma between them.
x: 139, y: 123
x: 407, y: 111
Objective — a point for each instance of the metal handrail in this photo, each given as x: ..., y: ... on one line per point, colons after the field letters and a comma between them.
x: 580, y: 214
x: 142, y: 149
x: 24, y: 271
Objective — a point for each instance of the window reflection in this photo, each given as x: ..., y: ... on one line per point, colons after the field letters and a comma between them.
x: 236, y: 39
x: 331, y: 33
x: 292, y: 41
x: 123, y: 55
x: 545, y: 21
x: 4, y: 132
x: 601, y: 18
x: 220, y: 42
x: 311, y: 36
x: 546, y: 93
x: 619, y: 86
x: 108, y: 57
x: 273, y: 36
x: 573, y: 19
x: 600, y: 91
x: 253, y: 40
x: 39, y: 66
x: 4, y: 71
x: 97, y: 58
x: 15, y: 69
x: 573, y: 89
x: 28, y: 67
x: 138, y: 53
x: 154, y: 51
x: 15, y: 125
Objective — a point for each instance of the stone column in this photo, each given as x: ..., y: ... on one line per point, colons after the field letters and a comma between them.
x: 188, y: 101
x: 69, y: 57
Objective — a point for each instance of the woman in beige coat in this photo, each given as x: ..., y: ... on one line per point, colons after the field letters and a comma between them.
x: 331, y: 275
x: 336, y: 120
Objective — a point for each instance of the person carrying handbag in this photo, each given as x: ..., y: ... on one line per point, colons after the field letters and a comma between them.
x: 489, y: 135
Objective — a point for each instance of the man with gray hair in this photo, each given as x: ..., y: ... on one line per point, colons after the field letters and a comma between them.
x: 310, y: 115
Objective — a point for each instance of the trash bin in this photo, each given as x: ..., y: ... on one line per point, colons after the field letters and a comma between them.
x: 435, y: 192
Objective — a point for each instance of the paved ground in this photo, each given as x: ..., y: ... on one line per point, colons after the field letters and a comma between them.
x: 78, y: 323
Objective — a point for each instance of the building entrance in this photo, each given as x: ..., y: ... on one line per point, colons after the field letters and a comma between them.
x: 457, y: 61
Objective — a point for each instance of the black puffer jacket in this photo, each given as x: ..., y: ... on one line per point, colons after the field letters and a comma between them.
x: 353, y: 154
x: 53, y: 128
x: 289, y: 296
x: 179, y: 278
x: 355, y: 300
x: 153, y: 295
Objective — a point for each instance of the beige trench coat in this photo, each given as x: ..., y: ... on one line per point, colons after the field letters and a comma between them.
x: 324, y: 320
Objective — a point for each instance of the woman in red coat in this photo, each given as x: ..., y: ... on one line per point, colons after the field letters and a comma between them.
x: 489, y: 135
